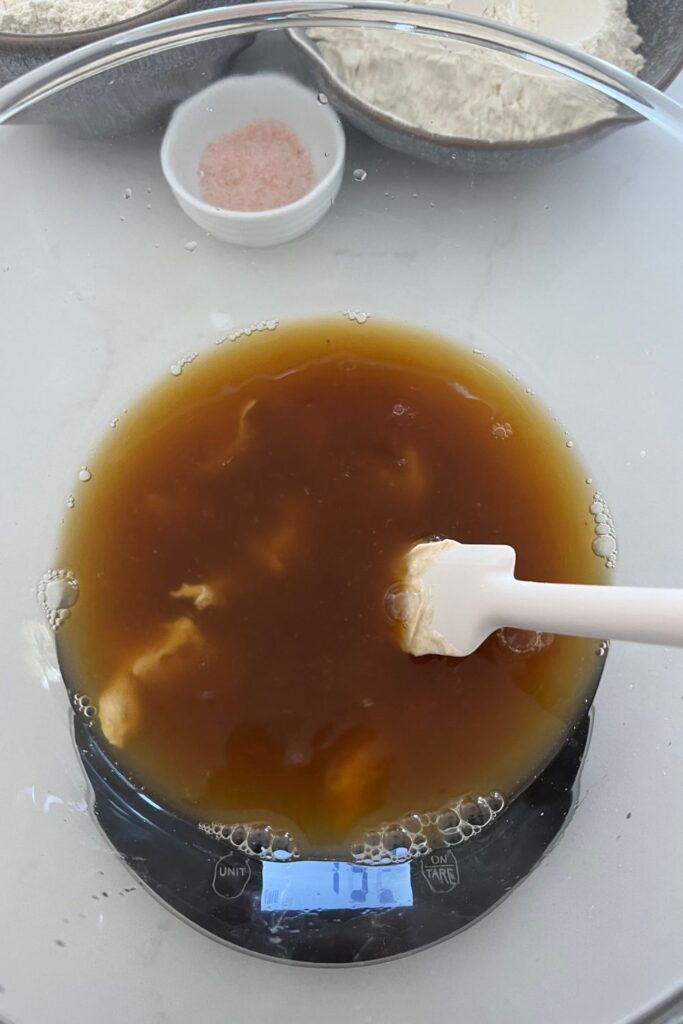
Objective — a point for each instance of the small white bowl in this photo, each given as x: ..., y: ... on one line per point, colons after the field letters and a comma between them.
x: 230, y: 104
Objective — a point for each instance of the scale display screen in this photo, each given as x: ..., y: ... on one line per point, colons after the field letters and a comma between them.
x: 329, y: 885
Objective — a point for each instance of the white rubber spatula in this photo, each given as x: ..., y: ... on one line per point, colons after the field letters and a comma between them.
x: 456, y: 595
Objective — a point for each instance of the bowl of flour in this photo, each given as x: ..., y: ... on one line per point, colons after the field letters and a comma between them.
x: 139, y: 96
x: 474, y: 108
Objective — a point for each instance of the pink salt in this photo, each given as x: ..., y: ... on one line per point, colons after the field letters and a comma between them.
x: 260, y: 166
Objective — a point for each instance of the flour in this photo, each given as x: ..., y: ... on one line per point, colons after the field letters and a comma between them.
x: 457, y: 90
x: 35, y: 17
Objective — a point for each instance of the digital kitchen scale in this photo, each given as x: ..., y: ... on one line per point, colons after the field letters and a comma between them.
x: 329, y: 912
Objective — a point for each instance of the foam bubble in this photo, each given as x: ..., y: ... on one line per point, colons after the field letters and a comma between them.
x: 501, y: 431
x: 604, y: 543
x: 178, y: 367
x: 257, y: 839
x: 418, y: 833
x: 496, y: 801
x: 475, y: 810
x: 448, y: 821
x: 57, y: 593
x: 356, y: 316
x: 604, y: 546
x: 283, y: 846
x: 413, y: 836
x: 523, y: 641
x: 400, y: 602
x: 258, y: 328
x: 84, y: 706
x: 396, y: 839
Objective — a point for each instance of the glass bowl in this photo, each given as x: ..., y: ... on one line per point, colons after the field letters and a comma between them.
x: 567, y: 274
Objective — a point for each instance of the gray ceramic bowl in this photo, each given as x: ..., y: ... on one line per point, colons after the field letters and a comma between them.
x: 661, y: 26
x: 136, y: 97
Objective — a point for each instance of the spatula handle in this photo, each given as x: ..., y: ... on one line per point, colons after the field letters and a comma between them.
x: 641, y: 614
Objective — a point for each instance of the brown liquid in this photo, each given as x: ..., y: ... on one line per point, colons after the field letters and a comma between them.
x: 274, y: 487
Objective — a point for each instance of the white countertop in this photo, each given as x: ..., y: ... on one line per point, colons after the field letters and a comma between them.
x: 93, y: 309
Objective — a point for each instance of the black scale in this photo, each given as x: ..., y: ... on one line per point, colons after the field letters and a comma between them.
x: 327, y: 912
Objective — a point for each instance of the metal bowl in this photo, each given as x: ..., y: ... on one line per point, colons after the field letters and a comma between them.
x: 661, y: 29
x: 137, y: 97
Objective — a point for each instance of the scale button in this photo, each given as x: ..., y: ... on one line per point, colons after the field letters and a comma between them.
x: 231, y: 876
x: 440, y: 871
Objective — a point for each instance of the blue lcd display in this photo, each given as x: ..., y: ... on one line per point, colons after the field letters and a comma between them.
x: 330, y: 885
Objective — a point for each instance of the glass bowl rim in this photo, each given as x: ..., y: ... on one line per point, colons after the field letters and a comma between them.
x: 79, y: 64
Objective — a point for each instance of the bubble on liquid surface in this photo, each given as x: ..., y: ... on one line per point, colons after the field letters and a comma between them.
x: 412, y: 823
x: 257, y: 839
x: 496, y: 801
x: 360, y: 174
x: 238, y: 835
x: 416, y: 834
x: 191, y: 246
x: 283, y: 846
x: 523, y: 641
x: 70, y: 501
x: 57, y: 593
x: 604, y: 543
x: 257, y: 328
x: 177, y: 368
x: 420, y: 832
x: 356, y: 316
x: 501, y: 431
x: 401, y: 603
x: 84, y: 706
x: 475, y: 810
x: 604, y: 546
x: 322, y: 98
x: 396, y: 840
x: 448, y: 820
x: 84, y: 474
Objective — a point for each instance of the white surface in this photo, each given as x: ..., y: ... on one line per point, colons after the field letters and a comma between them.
x: 230, y: 104
x: 570, y: 276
